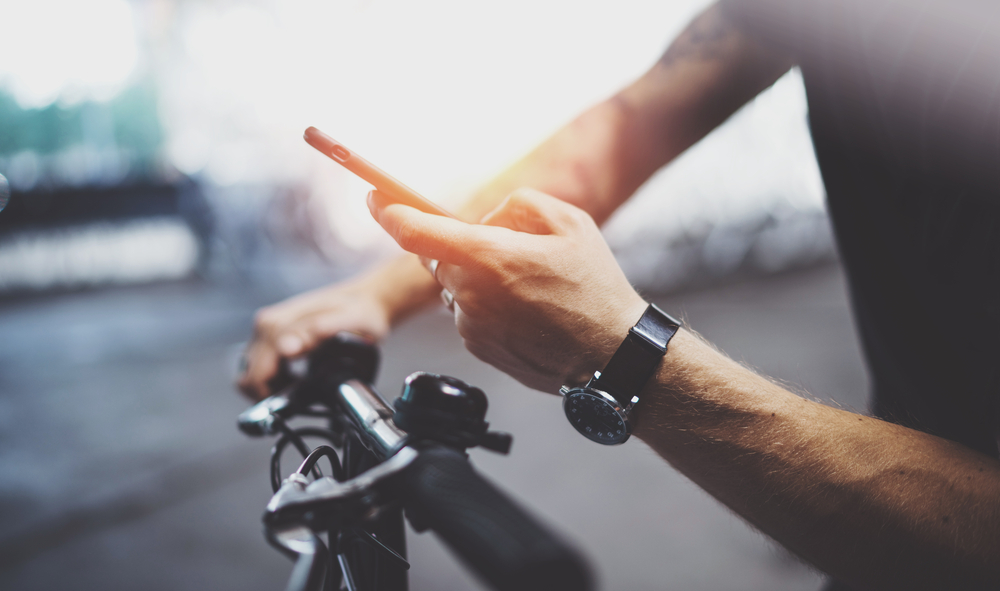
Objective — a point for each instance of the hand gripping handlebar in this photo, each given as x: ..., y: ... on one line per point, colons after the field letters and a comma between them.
x: 425, y: 470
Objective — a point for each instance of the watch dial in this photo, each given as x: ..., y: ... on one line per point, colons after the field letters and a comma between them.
x: 595, y: 418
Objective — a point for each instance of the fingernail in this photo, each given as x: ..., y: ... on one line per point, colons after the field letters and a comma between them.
x: 289, y: 344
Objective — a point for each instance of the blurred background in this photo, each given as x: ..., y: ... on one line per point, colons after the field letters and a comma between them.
x: 161, y: 192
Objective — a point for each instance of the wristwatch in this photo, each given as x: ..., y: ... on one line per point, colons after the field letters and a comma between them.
x: 600, y: 410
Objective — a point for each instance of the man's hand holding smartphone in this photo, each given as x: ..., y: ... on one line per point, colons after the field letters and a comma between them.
x: 369, y: 304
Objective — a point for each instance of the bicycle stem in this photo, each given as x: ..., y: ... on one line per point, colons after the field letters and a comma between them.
x: 371, y: 417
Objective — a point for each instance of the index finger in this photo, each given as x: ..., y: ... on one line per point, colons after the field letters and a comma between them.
x: 427, y: 235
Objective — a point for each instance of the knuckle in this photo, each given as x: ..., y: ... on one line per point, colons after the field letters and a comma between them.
x: 475, y: 348
x: 521, y: 195
x: 265, y: 318
x: 248, y: 385
x: 322, y: 327
x: 471, y: 301
x: 578, y: 221
x: 464, y: 327
x: 580, y: 217
x: 406, y: 236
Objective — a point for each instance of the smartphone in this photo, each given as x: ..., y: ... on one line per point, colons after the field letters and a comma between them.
x: 399, y: 192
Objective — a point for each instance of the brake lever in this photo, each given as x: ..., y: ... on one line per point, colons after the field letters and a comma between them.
x: 327, y: 504
x: 335, y: 360
x: 258, y: 420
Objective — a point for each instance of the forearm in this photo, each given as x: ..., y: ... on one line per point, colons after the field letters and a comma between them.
x: 597, y: 161
x: 600, y: 158
x: 402, y: 286
x: 870, y: 502
x: 576, y: 164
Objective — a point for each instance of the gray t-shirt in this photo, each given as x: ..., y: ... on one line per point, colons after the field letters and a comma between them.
x: 904, y: 110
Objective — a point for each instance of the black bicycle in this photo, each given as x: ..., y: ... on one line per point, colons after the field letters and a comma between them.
x: 345, y: 530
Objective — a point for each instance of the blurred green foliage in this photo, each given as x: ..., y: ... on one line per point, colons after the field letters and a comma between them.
x: 130, y: 119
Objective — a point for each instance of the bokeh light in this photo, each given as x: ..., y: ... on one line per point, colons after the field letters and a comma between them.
x: 66, y: 50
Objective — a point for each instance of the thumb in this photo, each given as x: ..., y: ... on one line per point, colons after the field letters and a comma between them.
x: 534, y: 212
x: 432, y: 236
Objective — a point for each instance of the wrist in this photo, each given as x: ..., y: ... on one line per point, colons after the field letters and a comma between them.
x: 681, y: 386
x: 598, y: 343
x: 604, y: 409
x: 619, y: 329
x: 402, y: 287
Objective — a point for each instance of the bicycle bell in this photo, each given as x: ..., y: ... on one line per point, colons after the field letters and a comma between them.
x: 447, y: 410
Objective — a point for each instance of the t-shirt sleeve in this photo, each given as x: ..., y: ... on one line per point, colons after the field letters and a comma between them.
x: 789, y: 25
x: 932, y: 30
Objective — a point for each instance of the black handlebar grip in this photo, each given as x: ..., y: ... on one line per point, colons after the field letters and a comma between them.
x: 497, y: 538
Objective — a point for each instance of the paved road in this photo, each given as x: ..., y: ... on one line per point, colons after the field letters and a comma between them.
x: 121, y: 468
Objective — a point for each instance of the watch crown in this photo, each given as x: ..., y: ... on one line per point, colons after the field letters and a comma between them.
x: 564, y: 390
x: 597, y: 375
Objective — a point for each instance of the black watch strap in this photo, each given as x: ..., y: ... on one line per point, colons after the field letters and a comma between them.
x: 638, y: 356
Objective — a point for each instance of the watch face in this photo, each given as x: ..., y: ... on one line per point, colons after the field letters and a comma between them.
x: 596, y: 416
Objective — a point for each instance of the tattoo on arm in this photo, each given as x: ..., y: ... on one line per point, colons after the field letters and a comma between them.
x: 708, y: 38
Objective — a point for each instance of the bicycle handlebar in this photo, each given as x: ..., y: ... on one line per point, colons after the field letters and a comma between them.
x: 433, y: 481
x: 497, y: 538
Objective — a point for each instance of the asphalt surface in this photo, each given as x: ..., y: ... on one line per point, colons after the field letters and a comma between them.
x: 121, y: 467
